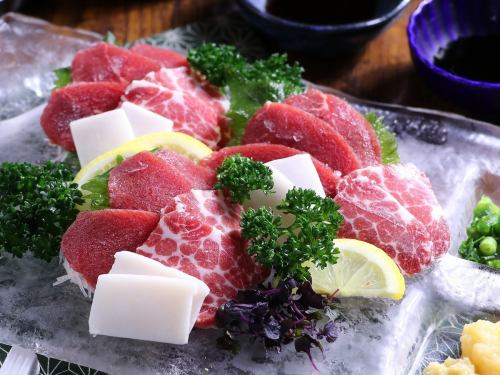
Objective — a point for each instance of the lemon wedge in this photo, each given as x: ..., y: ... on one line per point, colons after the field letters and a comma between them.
x: 178, y: 142
x: 362, y: 270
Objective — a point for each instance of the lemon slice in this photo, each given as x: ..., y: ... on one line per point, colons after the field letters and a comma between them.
x: 362, y: 270
x: 178, y: 142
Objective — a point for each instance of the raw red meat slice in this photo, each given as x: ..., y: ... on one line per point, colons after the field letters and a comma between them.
x: 90, y: 243
x: 163, y: 56
x: 201, y: 177
x: 173, y: 93
x: 145, y: 182
x: 289, y: 126
x: 394, y: 208
x: 76, y: 101
x: 348, y: 122
x: 265, y: 152
x: 107, y: 62
x: 202, y: 238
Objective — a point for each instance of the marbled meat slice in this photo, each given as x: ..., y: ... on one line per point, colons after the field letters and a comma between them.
x: 181, y: 79
x: 107, y: 62
x: 348, y: 122
x: 412, y: 188
x: 265, y: 152
x: 201, y: 177
x: 174, y: 94
x: 74, y: 102
x: 167, y: 58
x: 394, y: 208
x: 146, y: 182
x: 90, y: 243
x: 202, y: 238
x: 289, y: 126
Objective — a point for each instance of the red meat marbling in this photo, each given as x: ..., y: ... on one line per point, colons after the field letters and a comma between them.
x: 202, y: 238
x: 393, y: 207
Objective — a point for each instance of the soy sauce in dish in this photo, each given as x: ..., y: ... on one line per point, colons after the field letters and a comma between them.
x: 473, y: 57
x: 323, y: 12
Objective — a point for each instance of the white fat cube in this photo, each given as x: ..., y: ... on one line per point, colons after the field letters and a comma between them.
x: 300, y: 171
x: 97, y: 134
x: 130, y: 263
x: 281, y: 186
x: 152, y: 308
x: 144, y: 121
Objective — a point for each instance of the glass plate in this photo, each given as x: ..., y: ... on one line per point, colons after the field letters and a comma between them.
x: 460, y: 156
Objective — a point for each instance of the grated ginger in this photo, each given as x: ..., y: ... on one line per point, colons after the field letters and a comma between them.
x: 462, y: 366
x: 481, y: 344
x: 480, y: 352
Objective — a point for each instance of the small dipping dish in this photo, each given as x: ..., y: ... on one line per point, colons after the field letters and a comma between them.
x: 353, y: 23
x: 449, y: 46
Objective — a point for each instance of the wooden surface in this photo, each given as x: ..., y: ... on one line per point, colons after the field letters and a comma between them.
x: 382, y: 72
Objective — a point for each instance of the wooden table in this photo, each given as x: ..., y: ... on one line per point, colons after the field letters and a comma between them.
x: 382, y: 72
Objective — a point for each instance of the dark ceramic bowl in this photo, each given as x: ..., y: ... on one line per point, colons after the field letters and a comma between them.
x: 437, y: 22
x: 320, y: 40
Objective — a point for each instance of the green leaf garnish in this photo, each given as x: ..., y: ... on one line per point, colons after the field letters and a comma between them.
x: 95, y: 190
x: 249, y: 85
x: 110, y: 38
x: 240, y: 176
x: 63, y: 77
x: 246, y: 99
x: 386, y: 139
x: 309, y: 238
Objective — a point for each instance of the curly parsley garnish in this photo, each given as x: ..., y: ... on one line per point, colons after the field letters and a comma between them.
x: 37, y: 204
x: 240, y: 175
x: 309, y: 238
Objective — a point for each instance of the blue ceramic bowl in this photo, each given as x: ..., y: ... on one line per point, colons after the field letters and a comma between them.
x: 437, y: 22
x: 320, y: 40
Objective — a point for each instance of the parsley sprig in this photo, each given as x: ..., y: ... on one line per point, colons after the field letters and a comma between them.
x: 37, y: 204
x: 309, y: 238
x: 240, y: 175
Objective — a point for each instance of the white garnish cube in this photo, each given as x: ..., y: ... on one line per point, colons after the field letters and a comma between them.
x: 127, y: 262
x: 290, y: 172
x: 143, y: 299
x: 144, y: 121
x: 152, y: 308
x: 300, y: 171
x: 94, y: 135
x: 281, y: 185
